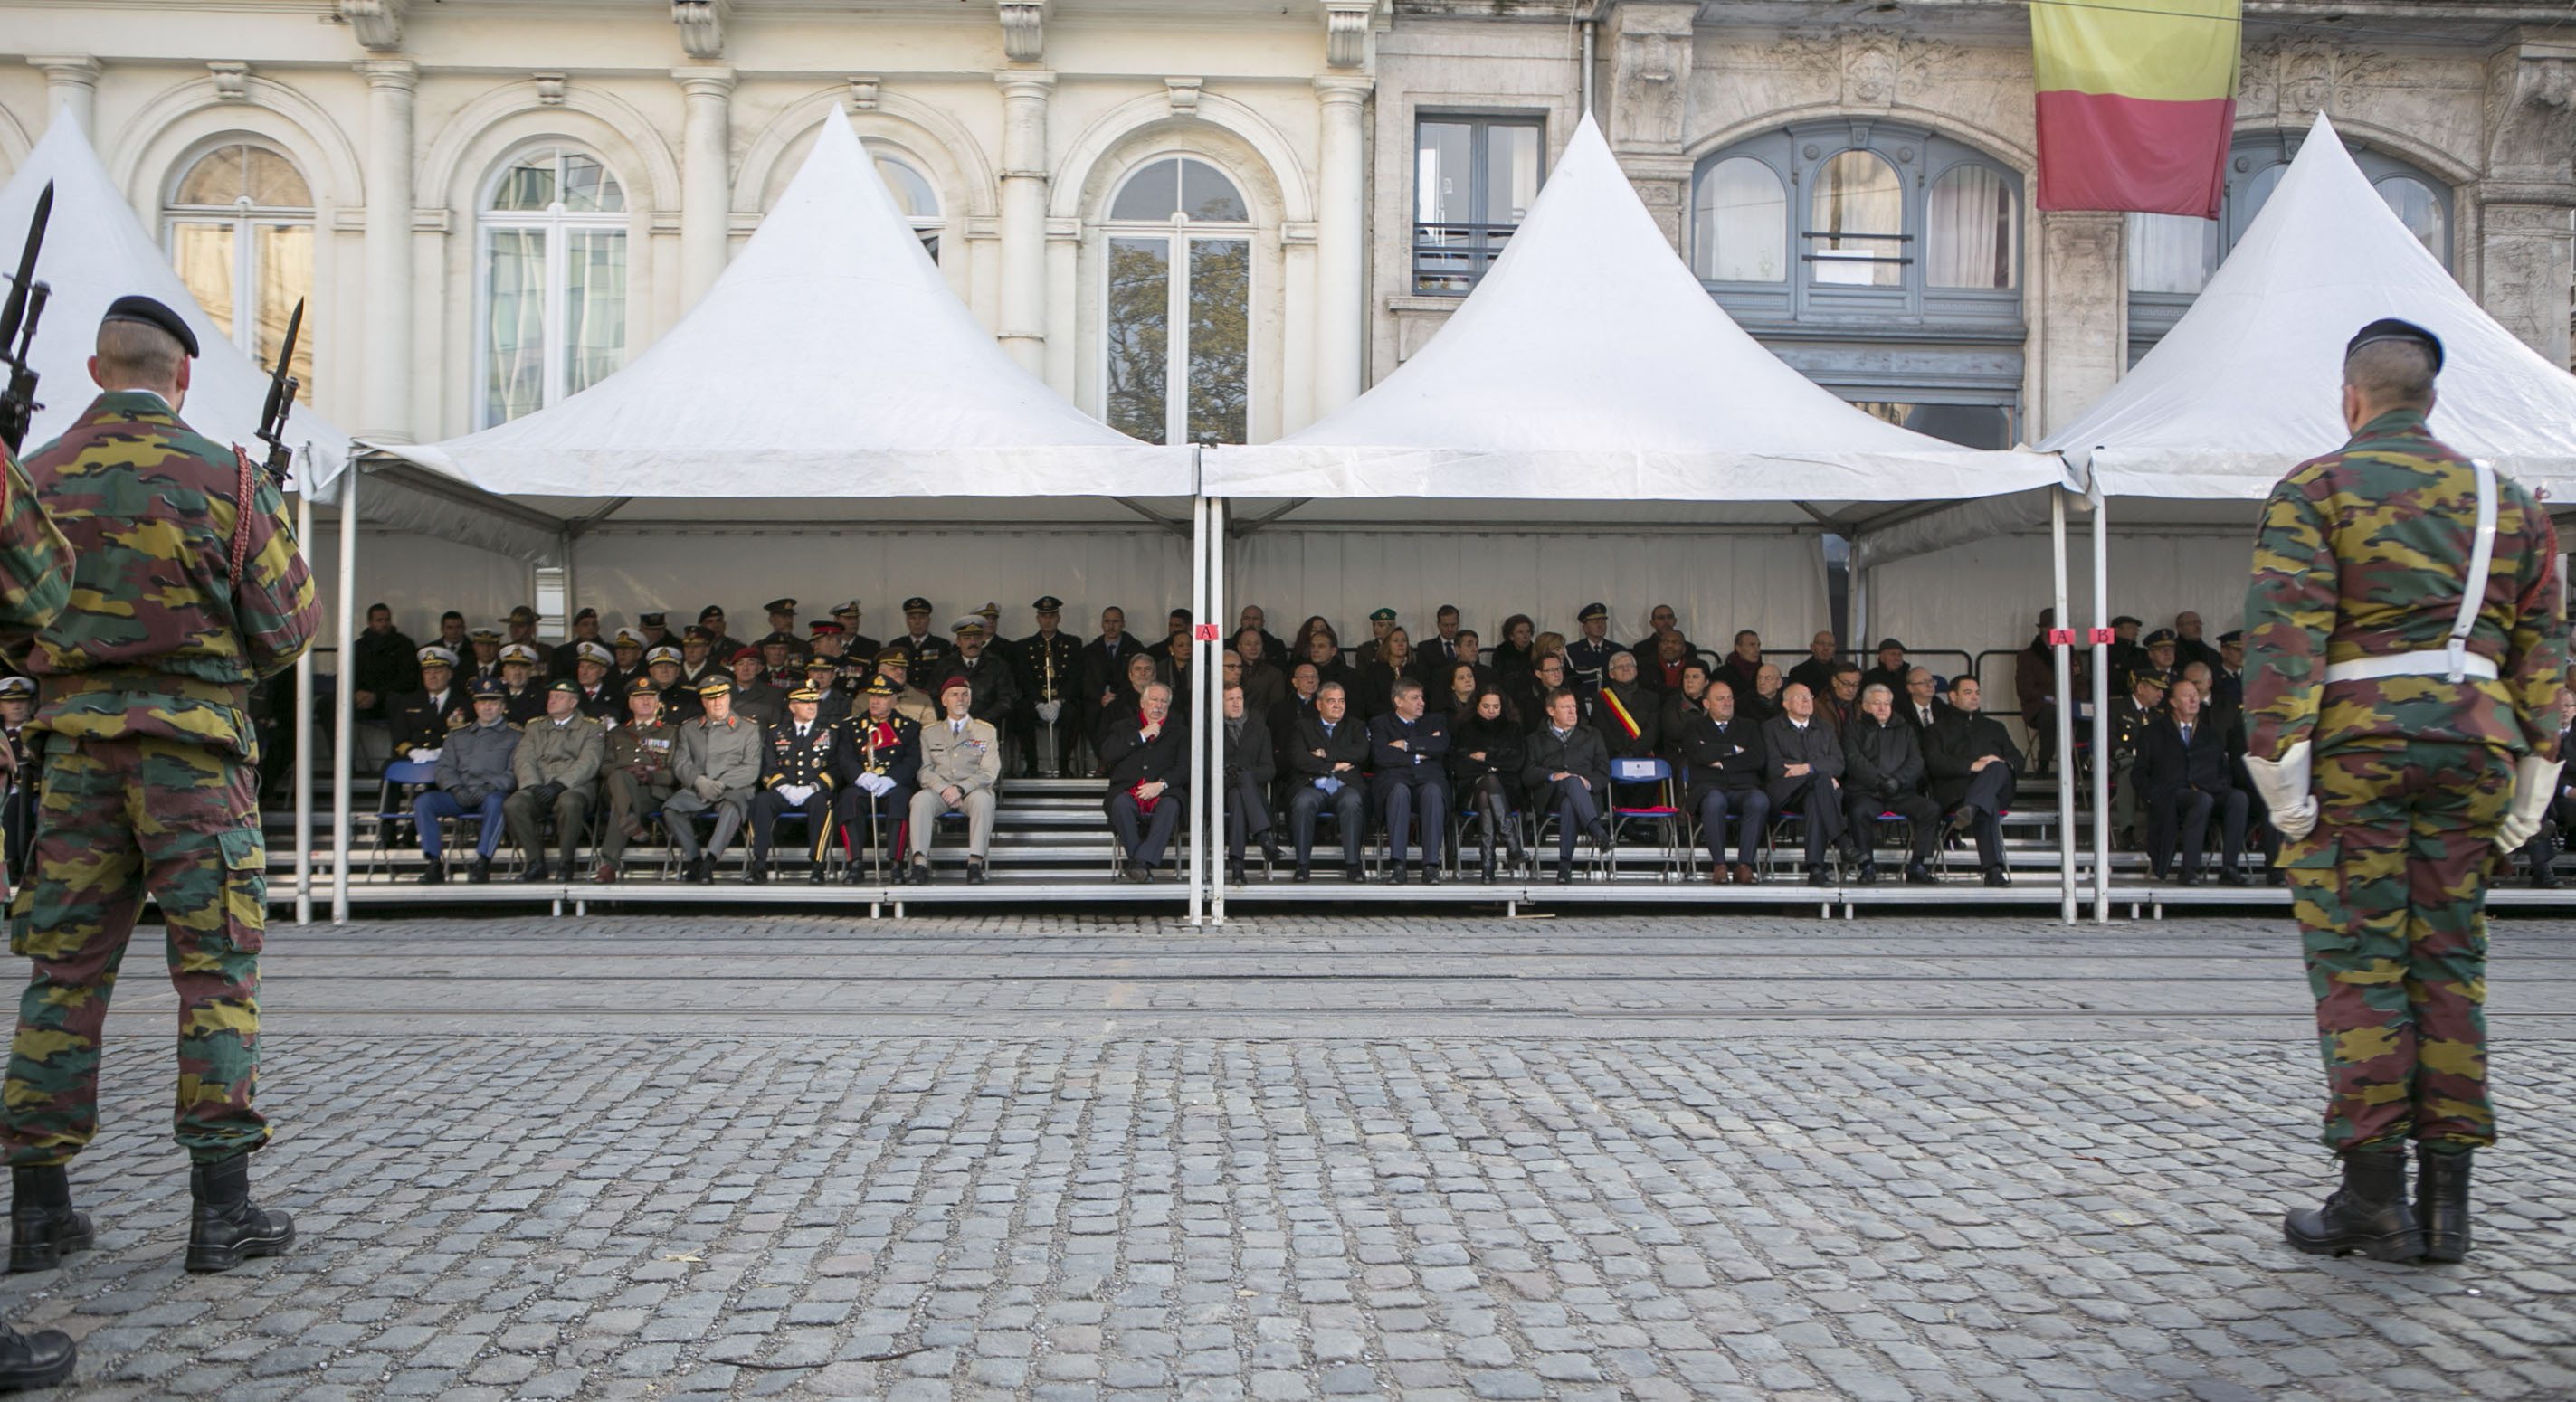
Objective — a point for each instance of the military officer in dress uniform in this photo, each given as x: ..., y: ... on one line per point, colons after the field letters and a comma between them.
x: 795, y: 777
x: 585, y: 629
x: 782, y: 624
x: 825, y: 640
x: 625, y: 658
x: 853, y: 642
x: 522, y: 623
x: 1049, y: 666
x: 720, y: 644
x: 635, y: 775
x: 1587, y: 658
x: 522, y: 699
x: 419, y: 720
x: 2405, y: 654
x: 679, y: 698
x: 592, y: 672
x: 821, y: 674
x: 654, y: 630
x: 923, y: 650
x: 486, y: 662
x: 875, y: 761
x: 753, y: 697
x: 961, y: 771
x: 698, y: 657
x: 997, y: 694
x: 909, y: 701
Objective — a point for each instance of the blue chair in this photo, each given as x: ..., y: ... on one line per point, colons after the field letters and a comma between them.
x: 1664, y: 812
x: 389, y: 812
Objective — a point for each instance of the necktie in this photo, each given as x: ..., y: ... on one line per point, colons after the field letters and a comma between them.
x: 2186, y: 734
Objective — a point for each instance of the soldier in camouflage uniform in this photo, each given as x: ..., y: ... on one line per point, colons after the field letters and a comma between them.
x: 2410, y: 679
x: 181, y: 601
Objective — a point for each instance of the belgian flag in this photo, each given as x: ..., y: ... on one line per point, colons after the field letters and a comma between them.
x: 2137, y: 101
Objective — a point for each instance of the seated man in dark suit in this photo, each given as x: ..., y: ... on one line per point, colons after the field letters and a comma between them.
x: 1408, y: 747
x: 1971, y: 765
x: 1249, y: 764
x: 2182, y: 774
x: 1147, y: 756
x: 1567, y: 771
x: 1725, y: 759
x: 1883, y: 773
x: 1327, y: 763
x: 1802, y: 769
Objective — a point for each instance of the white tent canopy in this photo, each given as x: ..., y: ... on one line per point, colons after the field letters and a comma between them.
x: 1589, y: 364
x: 829, y: 361
x: 97, y: 251
x: 2246, y: 385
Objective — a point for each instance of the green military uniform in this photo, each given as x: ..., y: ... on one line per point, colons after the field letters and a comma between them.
x: 149, y: 766
x: 2362, y: 556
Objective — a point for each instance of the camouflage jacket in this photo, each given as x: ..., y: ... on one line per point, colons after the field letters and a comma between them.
x: 35, y: 563
x: 159, y: 638
x: 2363, y: 553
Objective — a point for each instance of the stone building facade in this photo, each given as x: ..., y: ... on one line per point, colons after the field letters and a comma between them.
x: 1220, y: 219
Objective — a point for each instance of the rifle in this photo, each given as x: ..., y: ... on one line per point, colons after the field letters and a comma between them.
x: 281, y: 399
x: 18, y: 318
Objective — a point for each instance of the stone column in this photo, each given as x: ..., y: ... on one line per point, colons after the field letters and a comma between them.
x: 384, y: 404
x: 2082, y: 340
x: 1024, y: 196
x: 71, y: 80
x: 1341, y: 243
x: 2527, y: 252
x: 706, y: 179
x: 1650, y: 74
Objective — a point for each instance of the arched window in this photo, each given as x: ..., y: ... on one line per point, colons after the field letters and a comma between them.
x: 1739, y: 223
x: 1969, y: 228
x: 553, y: 285
x: 1857, y: 225
x: 2171, y: 256
x: 240, y: 227
x: 1177, y: 317
x: 914, y: 195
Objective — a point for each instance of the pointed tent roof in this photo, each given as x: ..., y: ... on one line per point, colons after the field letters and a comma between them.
x: 830, y: 360
x: 2247, y: 384
x: 97, y: 251
x: 1590, y: 363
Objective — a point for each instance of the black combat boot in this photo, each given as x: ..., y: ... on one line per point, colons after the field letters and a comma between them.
x: 2442, y: 1203
x: 2368, y: 1214
x: 41, y: 1359
x: 44, y: 1227
x: 227, y: 1226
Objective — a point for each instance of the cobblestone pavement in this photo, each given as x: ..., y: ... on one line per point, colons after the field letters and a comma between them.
x: 1774, y: 1176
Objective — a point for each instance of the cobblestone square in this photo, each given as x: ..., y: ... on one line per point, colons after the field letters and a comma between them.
x: 1426, y: 1157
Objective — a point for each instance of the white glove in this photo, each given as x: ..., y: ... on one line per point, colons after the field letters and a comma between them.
x: 876, y: 784
x: 706, y: 788
x: 1049, y: 710
x: 796, y: 793
x: 2282, y: 784
x: 2534, y: 781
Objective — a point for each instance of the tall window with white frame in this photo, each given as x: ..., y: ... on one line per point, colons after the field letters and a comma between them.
x: 240, y: 226
x: 1177, y: 313
x: 552, y: 295
x: 1474, y: 179
x: 914, y: 196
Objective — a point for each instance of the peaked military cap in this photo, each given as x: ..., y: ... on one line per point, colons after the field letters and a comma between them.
x: 2152, y: 676
x: 17, y: 686
x: 1048, y: 603
x: 779, y: 606
x: 695, y: 634
x: 820, y: 663
x: 969, y: 624
x: 664, y: 653
x: 2232, y: 635
x: 591, y: 614
x: 590, y: 651
x: 567, y: 685
x: 823, y: 629
x: 643, y: 686
x: 485, y: 635
x: 435, y: 656
x: 846, y: 610
x: 626, y: 638
x: 144, y: 311
x: 711, y: 611
x: 805, y: 693
x: 916, y: 604
x: 715, y: 686
x: 2163, y: 637
x: 519, y: 652
x: 1591, y: 612
x: 651, y: 620
x: 881, y: 686
x: 989, y: 611
x: 2389, y: 328
x: 895, y: 655
x: 488, y: 687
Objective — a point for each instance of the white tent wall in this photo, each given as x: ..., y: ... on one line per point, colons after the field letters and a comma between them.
x: 1142, y: 569
x: 1717, y: 582
x: 419, y: 577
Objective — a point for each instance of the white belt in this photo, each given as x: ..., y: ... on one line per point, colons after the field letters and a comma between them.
x: 2423, y: 662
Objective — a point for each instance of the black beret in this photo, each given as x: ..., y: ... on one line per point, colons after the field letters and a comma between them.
x: 2389, y: 328
x: 144, y: 311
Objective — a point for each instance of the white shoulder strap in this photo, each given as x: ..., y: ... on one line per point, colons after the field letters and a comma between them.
x: 2481, y: 563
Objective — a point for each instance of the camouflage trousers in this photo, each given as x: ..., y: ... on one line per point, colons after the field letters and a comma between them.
x: 2391, y: 891
x: 119, y: 819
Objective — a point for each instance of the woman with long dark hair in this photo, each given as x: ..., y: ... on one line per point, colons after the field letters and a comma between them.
x: 1485, y: 749
x: 1455, y: 696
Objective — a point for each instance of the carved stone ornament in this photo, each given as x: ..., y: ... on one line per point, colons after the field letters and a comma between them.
x: 863, y: 93
x: 2531, y: 113
x: 377, y: 23
x: 1346, y: 30
x: 1184, y: 93
x: 1024, y: 30
x: 550, y: 89
x: 701, y: 26
x: 232, y: 81
x: 1869, y: 70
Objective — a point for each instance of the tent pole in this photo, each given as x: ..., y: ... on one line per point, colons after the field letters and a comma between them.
x: 2061, y: 656
x: 2102, y: 712
x: 1212, y: 741
x: 343, y: 704
x: 304, y: 743
x: 1198, y: 666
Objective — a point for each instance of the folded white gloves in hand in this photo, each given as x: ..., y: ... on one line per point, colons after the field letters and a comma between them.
x: 2282, y: 784
x: 2535, y: 782
x: 796, y: 793
x: 877, y: 784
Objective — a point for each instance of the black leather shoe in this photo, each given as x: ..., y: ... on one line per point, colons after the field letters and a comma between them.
x: 44, y: 1227
x: 975, y: 874
x: 536, y: 872
x: 817, y: 876
x: 226, y: 1227
x: 1917, y: 874
x: 1134, y: 870
x: 1234, y: 872
x: 1867, y: 875
x: 2232, y: 877
x: 41, y: 1359
x: 2189, y: 878
x: 2368, y: 1214
x: 1997, y: 876
x: 2546, y: 878
x: 480, y: 872
x: 855, y: 874
x: 433, y: 874
x: 921, y: 871
x: 1303, y: 873
x: 1818, y: 876
x: 755, y: 874
x: 1564, y: 875
x: 1395, y: 874
x: 2442, y: 1203
x: 1355, y: 875
x: 1485, y: 872
x: 702, y: 871
x: 1431, y: 874
x: 1270, y: 850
